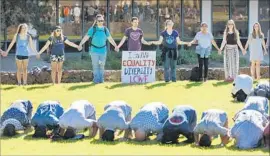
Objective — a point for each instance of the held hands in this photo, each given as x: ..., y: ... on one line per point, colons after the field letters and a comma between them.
x: 219, y: 51
x: 38, y: 56
x: 79, y: 47
x: 189, y: 44
x: 116, y: 48
x: 4, y: 54
x: 244, y: 51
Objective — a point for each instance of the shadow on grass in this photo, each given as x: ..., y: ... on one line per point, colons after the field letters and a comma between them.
x: 38, y: 87
x: 261, y: 148
x: 30, y: 138
x: 236, y: 102
x: 222, y: 83
x: 81, y: 86
x: 122, y: 85
x: 18, y: 135
x: 8, y: 88
x: 161, y: 84
x: 193, y: 84
x: 98, y: 142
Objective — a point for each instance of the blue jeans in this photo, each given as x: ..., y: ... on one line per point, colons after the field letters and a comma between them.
x: 169, y: 69
x: 98, y: 64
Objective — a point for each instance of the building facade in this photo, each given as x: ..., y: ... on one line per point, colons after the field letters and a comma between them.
x: 76, y: 16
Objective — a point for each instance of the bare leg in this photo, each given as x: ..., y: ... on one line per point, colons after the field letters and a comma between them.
x: 53, y: 72
x: 24, y: 69
x: 93, y: 131
x: 62, y: 131
x: 252, y: 69
x: 258, y: 70
x: 19, y: 71
x: 101, y: 131
x: 59, y: 72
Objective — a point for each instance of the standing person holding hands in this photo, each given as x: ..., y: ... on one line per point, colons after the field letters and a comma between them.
x: 134, y: 36
x: 205, y: 40
x: 57, y: 40
x: 98, y: 35
x: 231, y: 41
x: 256, y: 46
x: 22, y: 40
x: 170, y: 40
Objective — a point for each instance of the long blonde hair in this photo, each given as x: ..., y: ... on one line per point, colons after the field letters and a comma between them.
x: 19, y: 29
x: 235, y: 31
x: 260, y: 34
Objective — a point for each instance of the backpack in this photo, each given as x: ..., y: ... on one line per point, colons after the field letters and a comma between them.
x: 195, y: 74
x: 94, y: 32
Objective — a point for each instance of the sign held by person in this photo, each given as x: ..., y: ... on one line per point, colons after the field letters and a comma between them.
x: 138, y: 66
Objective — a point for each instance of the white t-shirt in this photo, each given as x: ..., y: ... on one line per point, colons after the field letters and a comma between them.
x: 244, y: 82
x: 80, y: 115
x: 77, y: 11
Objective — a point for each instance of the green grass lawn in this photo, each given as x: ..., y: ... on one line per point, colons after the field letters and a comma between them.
x: 202, y: 96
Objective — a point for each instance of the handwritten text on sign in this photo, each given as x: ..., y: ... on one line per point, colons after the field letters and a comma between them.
x: 138, y: 66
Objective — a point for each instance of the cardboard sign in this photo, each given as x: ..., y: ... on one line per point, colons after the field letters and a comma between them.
x: 138, y: 66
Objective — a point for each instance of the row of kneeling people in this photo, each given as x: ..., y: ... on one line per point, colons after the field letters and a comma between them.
x: 251, y: 124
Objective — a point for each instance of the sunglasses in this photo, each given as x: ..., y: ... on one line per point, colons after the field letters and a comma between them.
x: 59, y: 30
x: 100, y: 20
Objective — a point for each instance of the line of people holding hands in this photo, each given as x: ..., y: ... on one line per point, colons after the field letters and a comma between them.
x: 98, y: 34
x: 250, y: 128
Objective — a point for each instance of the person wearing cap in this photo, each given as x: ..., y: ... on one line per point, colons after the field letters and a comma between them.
x: 214, y: 122
x: 57, y: 43
x: 261, y: 89
x: 16, y: 118
x: 47, y: 118
x: 117, y: 116
x: 134, y: 35
x: 98, y: 35
x: 205, y: 41
x: 182, y: 121
x: 257, y: 103
x: 149, y: 120
x: 170, y: 40
x: 80, y: 115
x: 248, y: 129
x: 242, y: 87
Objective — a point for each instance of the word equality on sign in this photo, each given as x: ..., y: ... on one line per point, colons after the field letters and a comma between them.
x: 138, y: 66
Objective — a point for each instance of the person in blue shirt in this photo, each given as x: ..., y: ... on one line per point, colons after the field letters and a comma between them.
x: 261, y: 89
x: 182, y: 121
x: 248, y: 129
x: 170, y: 40
x: 149, y: 120
x: 22, y: 40
x: 47, y: 118
x: 214, y: 122
x: 98, y: 35
x: 16, y: 118
x: 57, y: 41
x: 117, y: 116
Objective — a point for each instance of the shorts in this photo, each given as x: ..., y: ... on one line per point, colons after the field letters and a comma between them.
x: 57, y: 58
x: 20, y: 57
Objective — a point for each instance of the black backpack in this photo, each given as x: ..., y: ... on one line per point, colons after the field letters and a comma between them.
x: 91, y: 38
x: 195, y: 76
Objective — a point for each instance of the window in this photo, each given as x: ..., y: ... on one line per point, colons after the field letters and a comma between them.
x: 222, y: 13
x: 191, y: 17
x: 220, y: 17
x: 264, y: 15
x: 147, y: 11
x: 91, y: 9
x: 240, y: 15
x: 120, y: 12
x: 70, y: 15
x: 170, y: 9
